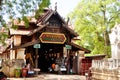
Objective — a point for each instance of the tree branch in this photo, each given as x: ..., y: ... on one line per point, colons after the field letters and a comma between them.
x: 117, y: 13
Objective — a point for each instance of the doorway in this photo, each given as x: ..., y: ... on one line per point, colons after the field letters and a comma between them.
x: 48, y: 54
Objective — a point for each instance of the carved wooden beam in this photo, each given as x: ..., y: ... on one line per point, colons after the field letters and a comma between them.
x: 37, y: 29
x: 27, y: 44
x: 71, y: 30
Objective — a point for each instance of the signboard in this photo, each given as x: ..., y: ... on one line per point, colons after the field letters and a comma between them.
x: 57, y: 38
x: 37, y: 46
x: 68, y: 46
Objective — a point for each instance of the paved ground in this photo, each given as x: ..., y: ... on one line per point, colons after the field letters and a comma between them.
x: 52, y: 77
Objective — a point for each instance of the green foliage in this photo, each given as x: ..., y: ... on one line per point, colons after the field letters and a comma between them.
x: 3, y: 37
x: 26, y: 21
x: 93, y: 20
x: 19, y: 9
x: 14, y: 9
x: 43, y: 4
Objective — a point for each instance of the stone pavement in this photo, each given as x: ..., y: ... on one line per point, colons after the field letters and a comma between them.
x: 52, y: 77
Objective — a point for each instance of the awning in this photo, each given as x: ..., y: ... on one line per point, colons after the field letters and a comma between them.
x: 77, y: 47
x: 96, y: 56
x: 26, y: 44
x: 19, y: 32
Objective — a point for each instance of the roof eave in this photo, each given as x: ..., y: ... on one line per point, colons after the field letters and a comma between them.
x: 80, y: 48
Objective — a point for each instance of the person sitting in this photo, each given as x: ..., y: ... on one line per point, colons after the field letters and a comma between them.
x: 53, y: 66
x: 56, y: 69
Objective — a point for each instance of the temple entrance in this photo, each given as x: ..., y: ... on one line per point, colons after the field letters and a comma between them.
x: 48, y: 54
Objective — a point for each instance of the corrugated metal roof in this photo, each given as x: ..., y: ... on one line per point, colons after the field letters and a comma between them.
x: 19, y: 32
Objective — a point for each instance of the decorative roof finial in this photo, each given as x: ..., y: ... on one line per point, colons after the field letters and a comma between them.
x: 56, y: 6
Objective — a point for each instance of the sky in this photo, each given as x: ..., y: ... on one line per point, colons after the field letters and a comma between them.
x: 64, y: 6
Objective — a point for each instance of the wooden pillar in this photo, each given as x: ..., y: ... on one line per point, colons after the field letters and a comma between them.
x: 68, y: 66
x: 36, y: 58
x: 36, y: 46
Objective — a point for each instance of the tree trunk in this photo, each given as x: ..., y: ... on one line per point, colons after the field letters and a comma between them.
x: 107, y: 44
x: 106, y: 38
x: 0, y: 3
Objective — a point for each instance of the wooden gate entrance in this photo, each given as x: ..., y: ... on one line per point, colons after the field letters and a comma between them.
x: 48, y: 54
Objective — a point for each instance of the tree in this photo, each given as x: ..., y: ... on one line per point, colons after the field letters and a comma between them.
x: 0, y: 2
x: 15, y: 9
x: 93, y: 20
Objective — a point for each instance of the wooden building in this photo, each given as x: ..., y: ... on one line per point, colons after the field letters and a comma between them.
x: 46, y: 38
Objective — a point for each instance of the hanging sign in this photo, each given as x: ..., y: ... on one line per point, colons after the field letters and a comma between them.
x: 36, y: 46
x: 57, y: 38
x: 68, y: 46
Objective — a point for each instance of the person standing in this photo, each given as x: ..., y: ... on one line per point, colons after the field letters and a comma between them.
x: 29, y: 59
x: 58, y: 63
x: 71, y: 63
